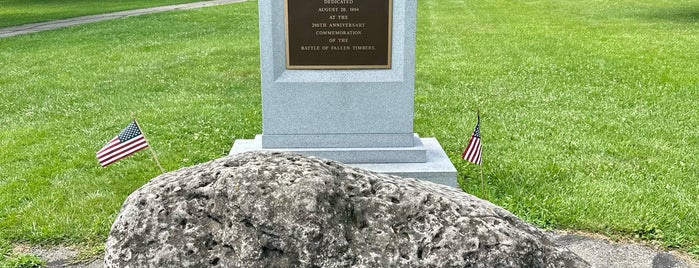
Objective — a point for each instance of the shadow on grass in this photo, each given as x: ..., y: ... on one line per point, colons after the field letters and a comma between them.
x: 675, y: 14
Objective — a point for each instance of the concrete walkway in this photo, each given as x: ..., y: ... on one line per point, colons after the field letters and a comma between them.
x: 50, y: 25
x: 598, y: 251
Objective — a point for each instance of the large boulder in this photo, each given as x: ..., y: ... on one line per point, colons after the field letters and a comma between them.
x: 264, y: 209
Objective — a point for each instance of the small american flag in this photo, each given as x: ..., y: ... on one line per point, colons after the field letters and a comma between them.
x: 129, y: 141
x: 472, y: 153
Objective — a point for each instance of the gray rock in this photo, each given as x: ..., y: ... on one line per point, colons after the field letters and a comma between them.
x: 264, y: 209
x: 664, y: 260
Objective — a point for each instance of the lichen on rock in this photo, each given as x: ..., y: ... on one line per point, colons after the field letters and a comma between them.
x: 273, y: 209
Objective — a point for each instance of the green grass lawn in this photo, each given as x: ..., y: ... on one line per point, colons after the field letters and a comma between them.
x: 191, y: 77
x: 17, y: 12
x: 588, y: 110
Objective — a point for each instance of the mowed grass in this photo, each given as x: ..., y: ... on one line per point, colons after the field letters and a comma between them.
x: 17, y: 12
x: 589, y: 117
x: 588, y: 110
x: 191, y: 78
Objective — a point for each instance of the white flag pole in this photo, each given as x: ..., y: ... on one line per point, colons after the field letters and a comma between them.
x: 485, y: 195
x: 152, y: 151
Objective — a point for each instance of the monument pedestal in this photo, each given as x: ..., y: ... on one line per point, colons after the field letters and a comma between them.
x: 426, y: 161
x: 338, y: 82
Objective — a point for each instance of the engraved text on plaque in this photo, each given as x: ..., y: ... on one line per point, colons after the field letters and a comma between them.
x: 338, y: 34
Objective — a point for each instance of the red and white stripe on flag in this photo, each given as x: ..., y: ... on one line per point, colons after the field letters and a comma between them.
x: 129, y: 141
x: 472, y: 153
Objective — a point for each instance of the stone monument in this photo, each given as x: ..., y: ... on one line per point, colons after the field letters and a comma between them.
x: 338, y: 82
x: 281, y: 209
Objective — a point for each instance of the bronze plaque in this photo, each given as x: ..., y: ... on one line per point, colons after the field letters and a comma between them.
x: 338, y: 34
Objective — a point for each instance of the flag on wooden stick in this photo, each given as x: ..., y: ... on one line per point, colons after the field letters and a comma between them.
x: 128, y: 142
x: 472, y: 153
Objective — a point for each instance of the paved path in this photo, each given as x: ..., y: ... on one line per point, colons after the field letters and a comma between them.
x: 50, y: 25
x: 595, y: 249
x: 602, y: 253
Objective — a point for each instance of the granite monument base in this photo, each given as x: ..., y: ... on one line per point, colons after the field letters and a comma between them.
x: 424, y: 160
